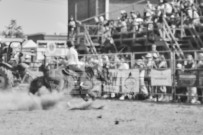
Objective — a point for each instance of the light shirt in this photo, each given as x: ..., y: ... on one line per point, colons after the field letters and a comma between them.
x: 72, y: 55
x: 124, y: 66
x: 168, y: 8
x: 193, y: 14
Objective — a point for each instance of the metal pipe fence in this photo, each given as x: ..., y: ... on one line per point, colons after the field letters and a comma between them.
x: 152, y: 74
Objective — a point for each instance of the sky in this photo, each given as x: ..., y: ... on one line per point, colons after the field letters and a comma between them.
x: 35, y: 16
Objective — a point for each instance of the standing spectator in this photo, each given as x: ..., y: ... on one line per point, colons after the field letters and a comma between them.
x: 71, y: 28
x: 106, y: 61
x: 150, y: 64
x: 161, y: 64
x: 154, y: 51
x: 192, y: 91
x: 108, y: 41
x: 143, y: 89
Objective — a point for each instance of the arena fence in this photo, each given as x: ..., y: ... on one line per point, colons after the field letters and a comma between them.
x: 131, y: 74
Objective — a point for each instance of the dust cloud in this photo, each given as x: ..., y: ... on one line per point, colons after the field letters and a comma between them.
x: 20, y: 99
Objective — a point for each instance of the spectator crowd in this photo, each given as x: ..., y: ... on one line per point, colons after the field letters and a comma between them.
x: 175, y: 12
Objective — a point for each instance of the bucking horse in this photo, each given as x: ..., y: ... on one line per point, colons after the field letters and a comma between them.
x: 61, y: 79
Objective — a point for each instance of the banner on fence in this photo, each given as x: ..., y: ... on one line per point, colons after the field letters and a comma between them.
x: 130, y: 80
x: 114, y: 82
x: 187, y: 80
x: 124, y: 81
x: 161, y: 77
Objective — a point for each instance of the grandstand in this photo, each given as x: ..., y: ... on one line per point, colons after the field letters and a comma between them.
x: 182, y: 34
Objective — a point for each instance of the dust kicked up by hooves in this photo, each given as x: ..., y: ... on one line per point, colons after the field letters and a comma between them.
x: 21, y: 100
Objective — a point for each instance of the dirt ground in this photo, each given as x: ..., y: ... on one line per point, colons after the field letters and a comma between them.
x: 117, y: 118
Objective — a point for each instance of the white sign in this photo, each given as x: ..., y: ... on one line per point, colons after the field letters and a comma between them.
x: 161, y: 77
x: 127, y: 80
x: 130, y: 80
x: 114, y: 82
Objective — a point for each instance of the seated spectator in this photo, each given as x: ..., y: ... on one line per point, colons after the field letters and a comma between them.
x: 193, y: 15
x: 122, y: 25
x: 149, y: 7
x: 124, y: 15
x: 160, y: 7
x: 136, y: 21
x: 168, y: 8
x: 148, y: 22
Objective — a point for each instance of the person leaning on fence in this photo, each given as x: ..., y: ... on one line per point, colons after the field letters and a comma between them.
x: 192, y: 91
x: 143, y: 89
x: 123, y: 64
x: 180, y: 90
x: 150, y: 64
x: 161, y: 64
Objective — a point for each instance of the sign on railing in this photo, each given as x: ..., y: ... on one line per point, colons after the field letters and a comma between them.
x: 161, y: 77
x: 124, y: 81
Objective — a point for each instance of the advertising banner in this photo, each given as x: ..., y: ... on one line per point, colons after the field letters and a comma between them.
x: 187, y: 80
x: 161, y: 77
x: 114, y: 81
x: 130, y: 80
x: 124, y: 81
